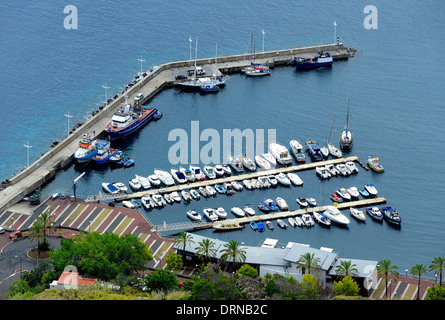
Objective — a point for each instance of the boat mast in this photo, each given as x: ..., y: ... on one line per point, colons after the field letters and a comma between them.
x: 332, y: 126
x: 196, y: 57
x: 347, y: 117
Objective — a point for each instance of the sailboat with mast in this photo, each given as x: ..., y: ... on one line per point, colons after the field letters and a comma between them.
x: 204, y: 82
x: 333, y: 150
x: 255, y: 69
x: 346, y: 137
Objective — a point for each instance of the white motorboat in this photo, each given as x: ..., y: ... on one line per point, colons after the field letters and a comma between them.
x: 158, y: 199
x: 332, y: 170
x: 283, y: 179
x: 227, y: 170
x: 302, y: 202
x: 195, y: 195
x: 311, y: 201
x: 249, y: 210
x: 188, y: 174
x: 273, y: 180
x: 351, y: 167
x: 186, y: 195
x: 280, y: 153
x: 264, y: 181
x: 299, y: 222
x: 219, y: 170
x: 257, y: 72
x: 237, y: 186
x: 334, y: 151
x: 209, y: 172
x: 128, y: 204
x: 297, y: 149
x: 372, y: 190
x: 165, y: 177
x: 192, y: 214
x: 238, y: 211
x: 358, y: 214
x: 147, y: 202
x: 322, y: 172
x: 145, y: 183
x: 176, y: 197
x: 110, y: 188
x: 324, y: 152
x: 307, y: 219
x: 211, y: 191
x: 282, y: 204
x: 168, y: 198
x: 122, y: 187
x: 154, y: 180
x: 270, y: 158
x: 333, y: 214
x: 135, y: 184
x: 262, y: 163
x: 353, y: 191
x: 197, y: 172
x: 344, y: 194
x: 248, y: 184
x: 321, y: 219
x: 344, y: 171
x: 248, y: 163
x: 292, y: 222
x: 281, y: 224
x: 203, y: 192
x: 295, y: 179
x: 221, y: 213
x: 178, y: 175
x: 236, y: 162
x: 210, y: 214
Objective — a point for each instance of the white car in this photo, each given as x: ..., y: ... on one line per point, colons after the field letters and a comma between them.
x: 139, y: 97
x: 2, y: 230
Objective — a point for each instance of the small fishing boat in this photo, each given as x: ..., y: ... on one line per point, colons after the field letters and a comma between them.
x: 292, y: 222
x: 280, y: 153
x: 261, y: 226
x: 188, y: 174
x: 128, y: 204
x: 144, y: 182
x: 199, y: 175
x: 221, y: 213
x: 195, y: 195
x: 118, y: 157
x: 324, y: 152
x: 374, y: 164
x: 135, y: 184
x: 148, y: 203
x: 55, y: 195
x: 249, y: 210
x: 307, y: 219
x: 186, y: 195
x: 237, y: 186
x: 269, y: 225
x: 332, y: 170
x: 321, y: 219
x: 271, y: 204
x: 344, y: 171
x: 391, y: 215
x: 358, y: 214
x: 282, y: 204
x: 178, y: 175
x: 263, y: 207
x: 372, y: 190
x: 302, y: 202
x: 86, y: 149
x: 210, y: 214
x: 104, y: 152
x: 203, y: 192
x: 297, y: 149
x: 154, y: 180
x: 110, y: 188
x: 168, y: 198
x: 257, y: 71
x: 262, y: 163
x: 270, y: 158
x: 236, y: 162
x: 281, y: 224
x: 295, y: 179
x: 322, y: 172
x: 264, y: 182
x: 273, y: 180
x: 192, y: 214
x: 159, y: 200
x: 34, y: 198
x: 333, y: 214
x: 298, y: 221
x: 353, y: 191
x: 283, y: 179
x: 128, y: 162
x: 320, y: 60
x: 229, y: 188
x: 221, y: 226
x: 219, y: 170
x: 220, y: 189
x: 209, y: 88
x: 227, y: 170
x: 375, y: 213
x: 351, y: 167
x: 248, y: 163
x: 122, y: 187
x: 165, y: 177
x: 253, y: 225
x: 209, y: 172
x: 248, y: 184
x: 311, y: 202
x: 211, y: 191
x: 364, y: 193
x: 238, y: 212
x: 336, y: 198
x: 135, y: 203
x: 344, y: 194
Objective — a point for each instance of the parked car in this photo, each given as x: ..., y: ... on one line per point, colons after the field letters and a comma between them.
x: 2, y: 230
x: 181, y: 77
x: 16, y: 234
x: 139, y: 97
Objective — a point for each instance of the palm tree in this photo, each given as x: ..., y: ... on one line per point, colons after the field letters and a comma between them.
x: 47, y: 224
x: 206, y: 249
x: 347, y: 268
x: 308, y: 261
x: 184, y: 239
x: 418, y: 270
x: 438, y: 264
x: 36, y: 234
x: 386, y: 269
x: 233, y: 252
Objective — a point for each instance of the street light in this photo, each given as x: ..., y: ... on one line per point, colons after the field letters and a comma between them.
x: 27, y: 146
x: 262, y: 31
x: 106, y: 96
x: 141, y: 60
x: 335, y: 31
x: 68, y: 116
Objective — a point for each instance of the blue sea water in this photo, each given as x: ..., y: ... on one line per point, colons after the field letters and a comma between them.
x: 395, y: 85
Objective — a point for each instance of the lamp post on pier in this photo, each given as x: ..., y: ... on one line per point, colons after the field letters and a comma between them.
x: 68, y: 116
x: 335, y: 31
x: 141, y: 60
x: 27, y: 146
x: 262, y: 31
x: 106, y: 93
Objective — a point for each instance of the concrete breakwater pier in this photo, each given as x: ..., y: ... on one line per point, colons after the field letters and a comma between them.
x: 14, y: 189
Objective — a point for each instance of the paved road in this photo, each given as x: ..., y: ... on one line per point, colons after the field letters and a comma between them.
x: 13, y: 259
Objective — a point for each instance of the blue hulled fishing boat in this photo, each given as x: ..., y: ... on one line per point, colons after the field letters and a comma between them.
x: 321, y: 59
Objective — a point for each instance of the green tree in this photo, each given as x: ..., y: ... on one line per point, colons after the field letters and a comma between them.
x: 436, y: 292
x: 184, y: 239
x: 203, y: 289
x: 206, y: 249
x: 36, y: 234
x: 233, y: 252
x: 346, y: 268
x: 346, y: 287
x: 248, y: 271
x: 161, y: 280
x: 309, y: 262
x: 418, y: 270
x: 437, y: 265
x: 102, y: 255
x: 311, y: 287
x: 174, y: 261
x: 386, y: 270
